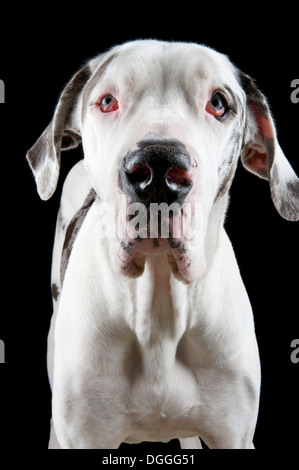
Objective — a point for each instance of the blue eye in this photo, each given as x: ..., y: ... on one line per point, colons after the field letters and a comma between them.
x: 216, y: 105
x: 108, y: 103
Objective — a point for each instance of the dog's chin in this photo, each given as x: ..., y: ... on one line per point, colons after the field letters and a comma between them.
x: 183, y: 247
x: 185, y: 263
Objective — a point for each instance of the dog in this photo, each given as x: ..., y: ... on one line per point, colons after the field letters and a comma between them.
x: 152, y: 336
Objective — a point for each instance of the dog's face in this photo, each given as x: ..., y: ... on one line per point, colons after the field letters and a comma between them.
x: 147, y: 100
x: 165, y: 123
x: 157, y: 91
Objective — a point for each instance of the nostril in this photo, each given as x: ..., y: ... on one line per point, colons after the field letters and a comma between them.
x: 178, y: 177
x: 139, y: 171
x: 138, y: 174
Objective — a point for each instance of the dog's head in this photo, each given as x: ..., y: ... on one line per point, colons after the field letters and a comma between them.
x: 165, y: 123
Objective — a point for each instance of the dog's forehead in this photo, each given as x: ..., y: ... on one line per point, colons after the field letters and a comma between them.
x: 148, y: 61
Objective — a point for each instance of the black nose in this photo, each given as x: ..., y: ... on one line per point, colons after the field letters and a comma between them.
x: 156, y: 172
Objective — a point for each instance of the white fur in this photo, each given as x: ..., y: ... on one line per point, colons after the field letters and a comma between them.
x: 152, y: 358
x: 168, y: 353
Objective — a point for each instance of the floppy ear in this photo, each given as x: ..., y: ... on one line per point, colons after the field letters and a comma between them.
x: 262, y: 155
x: 44, y: 156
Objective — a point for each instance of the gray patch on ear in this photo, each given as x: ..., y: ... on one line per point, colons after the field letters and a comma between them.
x: 44, y: 164
x: 44, y: 155
x: 284, y: 184
x: 285, y: 196
x: 290, y: 207
x: 253, y: 93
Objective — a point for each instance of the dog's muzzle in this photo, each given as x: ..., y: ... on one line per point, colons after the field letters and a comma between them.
x: 156, y: 172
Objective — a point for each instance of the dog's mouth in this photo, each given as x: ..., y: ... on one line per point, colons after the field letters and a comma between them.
x: 157, y: 180
x: 160, y: 229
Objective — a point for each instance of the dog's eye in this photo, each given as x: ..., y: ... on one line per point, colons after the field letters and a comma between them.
x: 108, y: 104
x: 217, y: 105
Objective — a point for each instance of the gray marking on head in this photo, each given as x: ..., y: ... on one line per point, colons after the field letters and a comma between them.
x: 228, y: 167
x: 95, y: 78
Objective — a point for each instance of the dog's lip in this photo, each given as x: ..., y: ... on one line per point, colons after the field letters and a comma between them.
x: 133, y: 250
x: 132, y: 256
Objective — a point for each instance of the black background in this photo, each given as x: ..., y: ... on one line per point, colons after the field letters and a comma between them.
x: 40, y: 51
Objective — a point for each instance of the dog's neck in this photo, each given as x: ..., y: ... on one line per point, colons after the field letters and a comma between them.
x: 160, y: 310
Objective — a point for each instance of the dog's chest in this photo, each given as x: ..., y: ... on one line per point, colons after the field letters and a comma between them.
x: 163, y: 399
x: 163, y: 393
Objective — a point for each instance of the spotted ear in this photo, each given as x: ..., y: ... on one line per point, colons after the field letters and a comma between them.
x: 262, y: 155
x: 61, y: 134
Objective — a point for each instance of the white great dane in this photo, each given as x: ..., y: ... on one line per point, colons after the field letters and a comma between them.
x: 152, y: 337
